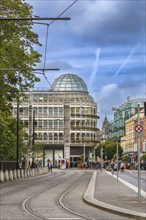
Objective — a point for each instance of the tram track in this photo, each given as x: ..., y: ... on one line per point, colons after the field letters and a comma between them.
x: 28, y: 209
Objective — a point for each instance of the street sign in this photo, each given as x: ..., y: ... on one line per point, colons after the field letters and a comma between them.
x: 138, y: 131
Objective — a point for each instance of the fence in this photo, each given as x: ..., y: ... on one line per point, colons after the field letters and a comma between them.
x: 21, y: 173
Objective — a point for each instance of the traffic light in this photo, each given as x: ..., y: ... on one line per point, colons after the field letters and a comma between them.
x: 145, y: 108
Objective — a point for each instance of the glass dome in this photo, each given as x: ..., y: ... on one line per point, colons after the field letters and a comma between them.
x: 69, y: 82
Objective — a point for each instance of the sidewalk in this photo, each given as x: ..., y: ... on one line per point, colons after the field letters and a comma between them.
x: 105, y: 192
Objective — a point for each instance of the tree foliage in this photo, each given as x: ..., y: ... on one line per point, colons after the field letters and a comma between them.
x: 143, y: 157
x: 16, y: 50
x: 17, y: 58
x: 109, y: 149
x: 8, y: 138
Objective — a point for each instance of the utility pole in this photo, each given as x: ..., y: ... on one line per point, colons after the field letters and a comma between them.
x: 17, y: 150
x: 33, y: 129
x: 117, y: 161
x: 138, y: 149
x: 101, y: 156
x: 84, y: 152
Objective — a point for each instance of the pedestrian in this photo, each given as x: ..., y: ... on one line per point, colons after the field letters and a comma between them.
x: 122, y: 167
x: 67, y: 164
x: 49, y: 166
x: 112, y: 165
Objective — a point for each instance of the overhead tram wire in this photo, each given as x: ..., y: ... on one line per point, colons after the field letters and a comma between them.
x: 64, y: 11
x: 47, y: 36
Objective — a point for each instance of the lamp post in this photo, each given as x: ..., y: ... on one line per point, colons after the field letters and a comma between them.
x: 17, y: 145
x: 95, y: 152
x: 117, y: 161
x: 138, y: 148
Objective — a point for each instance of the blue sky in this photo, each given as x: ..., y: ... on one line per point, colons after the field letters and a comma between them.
x: 103, y: 43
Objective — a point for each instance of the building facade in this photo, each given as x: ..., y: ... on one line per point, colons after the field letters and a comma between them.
x: 63, y: 120
x: 105, y: 131
x: 122, y: 113
x: 129, y: 141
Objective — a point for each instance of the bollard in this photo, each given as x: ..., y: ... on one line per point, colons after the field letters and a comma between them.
x: 33, y: 172
x: 1, y: 176
x: 18, y: 174
x: 14, y: 174
x: 6, y: 175
x: 22, y: 173
x: 11, y: 175
x: 27, y: 173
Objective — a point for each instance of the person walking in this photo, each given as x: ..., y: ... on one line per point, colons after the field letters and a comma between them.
x: 112, y: 165
x: 49, y: 167
x: 122, y: 167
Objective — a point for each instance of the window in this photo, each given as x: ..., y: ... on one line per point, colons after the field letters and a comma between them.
x: 61, y: 123
x: 45, y: 124
x: 50, y: 123
x: 78, y: 136
x: 40, y: 124
x: 50, y: 112
x: 25, y: 123
x: 55, y: 136
x: 55, y: 112
x: 40, y: 136
x: 56, y: 124
x: 50, y: 137
x: 45, y: 136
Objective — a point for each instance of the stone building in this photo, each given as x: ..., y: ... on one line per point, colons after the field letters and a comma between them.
x: 105, y: 132
x: 63, y: 119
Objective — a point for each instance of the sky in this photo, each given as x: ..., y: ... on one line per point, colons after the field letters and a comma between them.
x: 103, y: 43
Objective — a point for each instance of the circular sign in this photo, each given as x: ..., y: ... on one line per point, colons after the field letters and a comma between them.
x: 138, y: 128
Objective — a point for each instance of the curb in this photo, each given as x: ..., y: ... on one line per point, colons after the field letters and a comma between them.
x: 89, y: 198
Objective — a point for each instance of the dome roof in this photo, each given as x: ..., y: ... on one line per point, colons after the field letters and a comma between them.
x: 69, y: 82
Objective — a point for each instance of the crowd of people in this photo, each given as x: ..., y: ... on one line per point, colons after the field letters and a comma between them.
x: 26, y: 164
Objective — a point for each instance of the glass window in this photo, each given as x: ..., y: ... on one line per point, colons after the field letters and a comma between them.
x: 40, y: 124
x: 45, y: 124
x: 56, y: 124
x: 40, y: 110
x: 61, y: 123
x: 50, y: 136
x: 50, y: 123
x: 45, y: 110
x: 55, y: 136
x: 39, y: 136
x: 60, y: 136
x: 45, y: 136
x: 50, y: 112
x: 25, y: 123
x: 77, y: 136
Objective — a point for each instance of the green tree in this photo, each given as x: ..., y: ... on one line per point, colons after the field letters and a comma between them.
x: 16, y: 51
x: 109, y: 149
x: 8, y: 138
x: 126, y: 158
x: 143, y: 157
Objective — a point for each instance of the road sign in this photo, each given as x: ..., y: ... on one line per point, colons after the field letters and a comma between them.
x: 138, y: 131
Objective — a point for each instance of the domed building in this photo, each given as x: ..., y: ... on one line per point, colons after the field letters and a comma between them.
x: 63, y: 120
